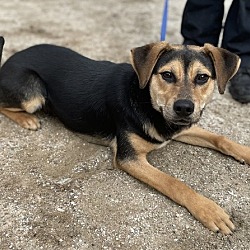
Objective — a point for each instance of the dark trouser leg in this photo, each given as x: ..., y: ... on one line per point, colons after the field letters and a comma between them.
x: 236, y: 36
x: 202, y: 21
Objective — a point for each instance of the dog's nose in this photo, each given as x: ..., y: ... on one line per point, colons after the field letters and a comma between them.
x: 183, y: 108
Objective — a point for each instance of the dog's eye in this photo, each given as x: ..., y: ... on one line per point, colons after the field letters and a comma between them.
x: 201, y: 79
x: 168, y: 76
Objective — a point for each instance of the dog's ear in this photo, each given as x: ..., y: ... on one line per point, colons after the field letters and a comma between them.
x: 226, y: 64
x: 144, y: 58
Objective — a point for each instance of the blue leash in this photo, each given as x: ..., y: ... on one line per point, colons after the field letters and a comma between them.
x: 164, y: 21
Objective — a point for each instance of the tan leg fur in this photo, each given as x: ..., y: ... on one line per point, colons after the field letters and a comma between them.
x: 203, y: 209
x: 25, y: 120
x: 203, y: 138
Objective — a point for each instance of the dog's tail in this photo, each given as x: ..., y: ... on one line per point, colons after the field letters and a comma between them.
x: 1, y: 47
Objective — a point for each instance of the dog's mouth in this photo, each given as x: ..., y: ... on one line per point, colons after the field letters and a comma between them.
x: 179, y: 120
x: 187, y: 121
x: 183, y: 122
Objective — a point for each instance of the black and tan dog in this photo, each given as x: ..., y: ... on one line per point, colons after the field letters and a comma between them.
x: 135, y: 108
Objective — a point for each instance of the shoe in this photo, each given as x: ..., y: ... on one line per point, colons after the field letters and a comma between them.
x: 240, y: 85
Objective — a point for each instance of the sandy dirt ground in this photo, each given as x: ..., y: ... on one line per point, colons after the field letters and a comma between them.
x: 60, y: 192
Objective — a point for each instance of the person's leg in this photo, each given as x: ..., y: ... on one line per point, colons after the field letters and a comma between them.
x: 202, y: 21
x: 236, y: 35
x: 236, y: 38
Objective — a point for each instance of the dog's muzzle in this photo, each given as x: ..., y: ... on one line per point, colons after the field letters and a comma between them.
x: 183, y: 109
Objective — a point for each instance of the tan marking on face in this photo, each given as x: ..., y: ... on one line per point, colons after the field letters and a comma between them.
x: 201, y: 94
x: 33, y: 104
x: 164, y: 94
x: 176, y: 67
x: 197, y: 68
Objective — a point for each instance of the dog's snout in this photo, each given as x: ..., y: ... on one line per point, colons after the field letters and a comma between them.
x: 183, y: 108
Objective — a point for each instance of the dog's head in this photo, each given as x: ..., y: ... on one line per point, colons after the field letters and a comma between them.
x: 181, y: 78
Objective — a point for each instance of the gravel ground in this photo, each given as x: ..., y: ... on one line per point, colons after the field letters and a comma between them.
x: 59, y: 192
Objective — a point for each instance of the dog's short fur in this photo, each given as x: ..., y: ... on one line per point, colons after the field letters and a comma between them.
x: 135, y: 108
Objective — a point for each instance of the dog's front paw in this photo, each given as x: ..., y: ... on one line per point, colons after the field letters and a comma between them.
x: 242, y: 154
x: 211, y: 215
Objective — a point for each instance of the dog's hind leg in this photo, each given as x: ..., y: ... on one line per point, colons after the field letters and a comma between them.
x: 18, y: 101
x: 25, y: 120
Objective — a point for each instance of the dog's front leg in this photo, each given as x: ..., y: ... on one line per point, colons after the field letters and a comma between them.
x: 130, y: 156
x: 203, y: 138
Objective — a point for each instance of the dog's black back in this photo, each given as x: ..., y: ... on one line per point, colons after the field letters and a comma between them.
x: 88, y: 96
